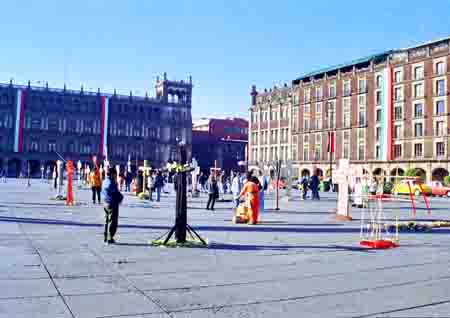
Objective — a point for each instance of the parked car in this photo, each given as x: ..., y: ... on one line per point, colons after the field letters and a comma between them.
x: 439, y: 189
x: 403, y: 188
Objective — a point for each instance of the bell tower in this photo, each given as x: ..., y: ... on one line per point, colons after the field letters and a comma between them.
x: 174, y: 92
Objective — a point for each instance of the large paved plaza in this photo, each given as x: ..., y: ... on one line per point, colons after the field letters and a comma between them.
x: 297, y: 263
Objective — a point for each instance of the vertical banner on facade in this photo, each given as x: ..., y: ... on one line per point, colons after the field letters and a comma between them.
x: 386, y: 118
x: 388, y: 112
x: 18, y: 127
x: 104, y: 126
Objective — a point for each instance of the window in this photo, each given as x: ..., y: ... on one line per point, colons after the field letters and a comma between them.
x: 331, y: 115
x: 318, y: 107
x: 307, y: 96
x: 378, y: 115
x: 397, y: 151
x: 306, y: 124
x: 418, y: 90
x: 418, y: 150
x: 397, y: 131
x: 418, y: 131
x: 398, y: 76
x: 378, y: 134
x: 378, y: 98
x: 440, y: 87
x: 440, y: 128
x: 379, y: 81
x: 418, y: 72
x: 440, y: 150
x: 362, y: 100
x: 347, y: 88
x: 318, y: 123
x: 305, y: 154
x: 34, y: 146
x: 439, y: 107
x: 398, y: 93
x: 318, y: 93
x: 361, y: 118
x: 439, y: 68
x: 346, y: 118
x: 51, y: 146
x: 397, y: 112
x: 361, y: 86
x: 306, y: 109
x: 418, y: 110
x: 346, y: 147
x: 377, y: 152
x: 332, y: 90
x: 361, y: 151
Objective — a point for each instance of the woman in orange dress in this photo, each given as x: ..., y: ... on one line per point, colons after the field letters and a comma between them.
x: 252, y: 189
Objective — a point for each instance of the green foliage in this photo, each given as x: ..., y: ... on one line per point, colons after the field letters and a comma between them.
x: 387, y: 187
x: 413, y: 172
x: 447, y: 180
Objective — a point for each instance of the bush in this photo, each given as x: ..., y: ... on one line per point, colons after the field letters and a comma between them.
x: 447, y: 180
x: 387, y: 187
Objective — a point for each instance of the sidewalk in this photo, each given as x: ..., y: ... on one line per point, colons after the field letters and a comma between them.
x: 297, y: 262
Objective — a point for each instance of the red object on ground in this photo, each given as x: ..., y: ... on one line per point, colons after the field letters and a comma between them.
x: 378, y: 244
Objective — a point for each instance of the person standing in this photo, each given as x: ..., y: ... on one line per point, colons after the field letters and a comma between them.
x: 264, y: 185
x: 314, y: 185
x: 213, y: 193
x: 112, y: 198
x: 95, y: 179
x: 55, y: 178
x: 159, y: 185
x: 236, y: 187
x: 128, y: 179
x: 251, y: 189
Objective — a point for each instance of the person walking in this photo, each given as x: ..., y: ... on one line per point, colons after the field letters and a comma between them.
x: 264, y: 185
x: 112, y: 199
x: 314, y: 185
x: 236, y: 187
x: 95, y: 180
x: 128, y: 178
x: 251, y: 189
x: 159, y: 185
x: 304, y: 184
x: 213, y: 193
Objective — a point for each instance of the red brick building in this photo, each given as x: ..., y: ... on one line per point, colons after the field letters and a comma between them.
x: 389, y: 112
x: 224, y: 140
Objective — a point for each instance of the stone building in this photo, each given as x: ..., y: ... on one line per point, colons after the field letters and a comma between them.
x: 388, y: 112
x: 37, y: 122
x: 219, y: 141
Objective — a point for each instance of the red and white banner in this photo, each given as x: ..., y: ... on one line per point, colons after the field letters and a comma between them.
x: 104, y: 126
x: 18, y: 128
x: 330, y: 141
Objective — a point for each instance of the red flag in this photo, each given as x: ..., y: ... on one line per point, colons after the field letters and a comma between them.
x: 331, y: 141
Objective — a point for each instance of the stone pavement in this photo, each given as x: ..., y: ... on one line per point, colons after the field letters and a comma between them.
x: 296, y: 263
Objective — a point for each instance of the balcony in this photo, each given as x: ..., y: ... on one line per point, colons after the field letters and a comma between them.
x: 347, y: 93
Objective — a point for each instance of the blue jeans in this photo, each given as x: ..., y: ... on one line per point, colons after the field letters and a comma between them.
x: 158, y: 194
x: 261, y: 201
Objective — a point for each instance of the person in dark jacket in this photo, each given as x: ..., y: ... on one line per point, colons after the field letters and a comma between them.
x: 159, y: 184
x: 314, y: 185
x: 112, y: 198
x: 213, y: 193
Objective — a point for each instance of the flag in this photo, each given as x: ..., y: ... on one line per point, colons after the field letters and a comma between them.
x: 330, y: 142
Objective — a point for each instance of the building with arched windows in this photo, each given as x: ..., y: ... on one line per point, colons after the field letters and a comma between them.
x: 37, y: 122
x: 387, y: 113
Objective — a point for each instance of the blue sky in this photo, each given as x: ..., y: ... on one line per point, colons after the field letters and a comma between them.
x: 225, y: 45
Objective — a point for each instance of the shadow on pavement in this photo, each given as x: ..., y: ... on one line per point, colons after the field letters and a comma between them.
x: 249, y: 247
x: 301, y: 228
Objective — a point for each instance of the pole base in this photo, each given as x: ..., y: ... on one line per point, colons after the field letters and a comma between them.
x: 343, y: 218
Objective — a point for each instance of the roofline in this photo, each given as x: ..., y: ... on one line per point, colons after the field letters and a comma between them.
x: 447, y: 38
x: 343, y: 65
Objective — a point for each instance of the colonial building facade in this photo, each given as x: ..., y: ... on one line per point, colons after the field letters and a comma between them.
x: 220, y: 142
x: 37, y: 122
x: 388, y: 112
